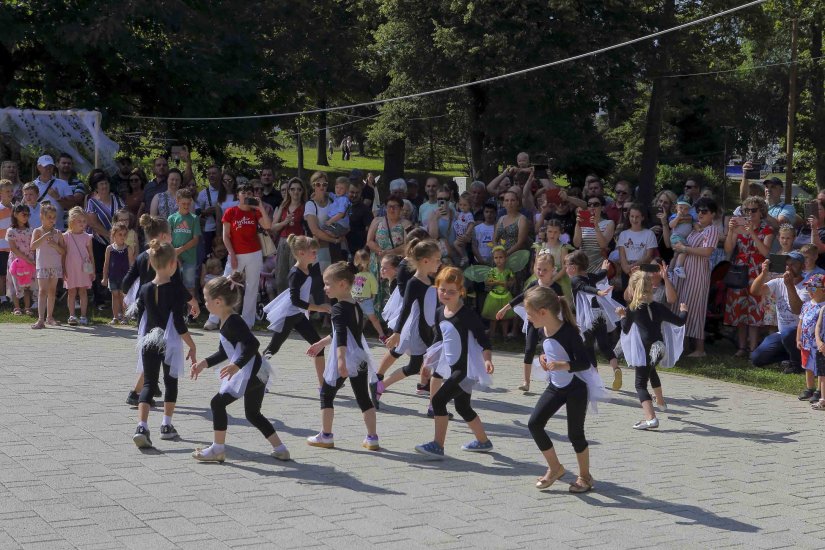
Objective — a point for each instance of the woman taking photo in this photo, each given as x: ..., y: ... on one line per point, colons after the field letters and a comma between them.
x: 101, y: 208
x: 133, y: 195
x: 289, y: 220
x: 316, y: 214
x: 693, y: 289
x: 749, y: 242
x: 240, y: 236
x: 594, y: 233
x: 166, y: 203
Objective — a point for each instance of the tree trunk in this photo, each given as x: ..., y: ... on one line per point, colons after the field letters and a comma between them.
x: 817, y: 90
x: 655, y: 112
x: 322, y: 134
x: 478, y: 105
x: 362, y: 144
x: 394, y: 154
x: 299, y: 144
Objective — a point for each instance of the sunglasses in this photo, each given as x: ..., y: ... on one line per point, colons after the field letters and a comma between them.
x: 393, y: 207
x: 319, y: 184
x: 594, y: 204
x: 750, y: 210
x: 702, y: 210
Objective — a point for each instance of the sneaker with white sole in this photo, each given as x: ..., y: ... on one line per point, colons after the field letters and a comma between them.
x: 141, y: 438
x: 168, y: 431
x: 280, y: 453
x: 321, y: 440
x: 432, y: 449
x: 72, y: 322
x: 371, y: 443
x: 646, y: 424
x: 476, y: 446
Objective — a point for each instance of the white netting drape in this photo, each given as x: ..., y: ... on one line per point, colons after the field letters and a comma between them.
x: 72, y: 132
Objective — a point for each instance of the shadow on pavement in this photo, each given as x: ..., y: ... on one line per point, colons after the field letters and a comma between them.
x: 716, y: 431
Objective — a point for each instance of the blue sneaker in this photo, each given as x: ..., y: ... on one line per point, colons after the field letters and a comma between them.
x: 476, y: 447
x: 431, y: 449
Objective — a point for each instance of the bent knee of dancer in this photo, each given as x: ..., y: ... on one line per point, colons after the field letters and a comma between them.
x: 579, y: 443
x: 465, y: 412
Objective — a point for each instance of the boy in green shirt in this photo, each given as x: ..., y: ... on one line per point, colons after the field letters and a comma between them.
x: 186, y: 231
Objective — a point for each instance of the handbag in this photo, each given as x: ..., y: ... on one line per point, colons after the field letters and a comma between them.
x: 268, y: 247
x: 737, y: 276
x: 88, y: 266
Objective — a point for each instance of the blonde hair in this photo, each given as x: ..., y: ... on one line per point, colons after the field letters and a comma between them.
x: 5, y: 184
x: 787, y: 228
x: 229, y: 289
x: 451, y: 275
x: 298, y: 243
x: 361, y: 259
x: 499, y: 248
x: 808, y: 248
x: 757, y: 202
x: 340, y: 271
x: 47, y: 208
x: 161, y: 254
x: 422, y: 250
x: 75, y: 213
x: 539, y: 297
x: 641, y: 287
x: 118, y: 226
x: 544, y: 256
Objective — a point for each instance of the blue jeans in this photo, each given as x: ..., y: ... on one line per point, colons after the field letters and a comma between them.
x: 777, y: 347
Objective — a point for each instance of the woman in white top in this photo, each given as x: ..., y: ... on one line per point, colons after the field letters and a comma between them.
x: 595, y: 239
x: 315, y: 214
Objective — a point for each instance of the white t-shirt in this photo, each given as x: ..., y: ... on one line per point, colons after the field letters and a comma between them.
x: 785, y: 318
x: 63, y: 190
x: 203, y: 202
x: 484, y: 236
x: 312, y: 208
x: 636, y: 243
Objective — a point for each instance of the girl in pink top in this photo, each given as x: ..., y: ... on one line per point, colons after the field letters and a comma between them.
x: 49, y: 246
x: 80, y: 265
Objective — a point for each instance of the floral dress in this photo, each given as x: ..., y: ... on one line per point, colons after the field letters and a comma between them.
x: 741, y: 308
x: 807, y: 318
x: 22, y: 239
x: 387, y: 238
x: 499, y: 296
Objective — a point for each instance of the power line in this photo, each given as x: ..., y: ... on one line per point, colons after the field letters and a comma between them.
x: 475, y: 82
x: 746, y: 69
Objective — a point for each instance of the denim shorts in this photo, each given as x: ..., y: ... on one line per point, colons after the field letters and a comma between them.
x: 189, y: 275
x: 367, y: 306
x: 116, y: 284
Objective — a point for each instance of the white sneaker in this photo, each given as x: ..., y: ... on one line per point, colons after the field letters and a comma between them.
x: 321, y: 440
x: 282, y: 454
x: 209, y: 325
x: 646, y: 424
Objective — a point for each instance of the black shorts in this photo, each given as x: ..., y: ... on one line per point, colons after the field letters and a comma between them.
x: 819, y: 370
x: 4, y: 262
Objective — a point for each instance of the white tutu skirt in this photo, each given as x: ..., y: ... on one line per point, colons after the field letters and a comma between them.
x: 355, y: 356
x: 667, y: 353
x: 441, y: 356
x: 168, y: 342
x: 280, y: 308
x: 236, y: 386
x: 392, y: 309
x: 595, y: 386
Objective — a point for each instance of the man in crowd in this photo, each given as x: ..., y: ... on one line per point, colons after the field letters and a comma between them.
x: 207, y: 203
x: 119, y: 181
x: 413, y: 195
x: 160, y: 168
x: 615, y: 211
x: 54, y: 190
x: 512, y: 175
x: 272, y: 196
x: 478, y: 198
x: 66, y: 172
x: 431, y: 204
x: 360, y: 218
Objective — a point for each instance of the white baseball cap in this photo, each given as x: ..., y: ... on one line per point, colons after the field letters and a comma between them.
x: 45, y: 160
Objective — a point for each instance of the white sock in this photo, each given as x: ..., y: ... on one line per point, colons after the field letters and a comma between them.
x: 166, y: 420
x: 143, y: 424
x: 280, y: 448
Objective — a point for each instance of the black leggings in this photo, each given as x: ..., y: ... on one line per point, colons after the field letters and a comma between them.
x: 598, y: 334
x: 414, y: 366
x: 297, y: 322
x: 530, y: 346
x: 643, y: 374
x: 451, y: 390
x: 575, y: 396
x: 152, y: 361
x: 252, y: 399
x: 360, y: 387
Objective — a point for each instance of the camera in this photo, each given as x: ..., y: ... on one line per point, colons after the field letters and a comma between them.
x: 251, y: 201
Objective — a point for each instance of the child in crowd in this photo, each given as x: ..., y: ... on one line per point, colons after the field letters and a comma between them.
x: 499, y: 285
x: 161, y: 312
x: 572, y: 381
x: 552, y: 243
x: 290, y: 310
x: 338, y: 214
x: 126, y: 217
x: 595, y: 310
x: 364, y: 289
x: 19, y: 237
x: 211, y: 269
x: 681, y: 225
x: 544, y: 271
x: 186, y: 232
x: 80, y: 266
x: 6, y: 216
x: 819, y: 404
x: 461, y: 356
x: 349, y: 357
x: 647, y: 341
x: 483, y: 235
x: 811, y: 253
x: 49, y: 247
x: 268, y: 273
x: 412, y: 331
x: 463, y: 226
x: 806, y: 334
x: 116, y: 263
x: 247, y: 374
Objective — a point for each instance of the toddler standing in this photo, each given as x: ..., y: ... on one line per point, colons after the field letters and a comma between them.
x: 116, y: 263
x: 807, y: 339
x: 80, y: 266
x: 49, y: 247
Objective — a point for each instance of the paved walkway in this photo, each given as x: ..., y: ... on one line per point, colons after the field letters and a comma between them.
x: 730, y: 466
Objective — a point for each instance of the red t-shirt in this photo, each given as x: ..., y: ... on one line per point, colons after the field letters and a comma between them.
x: 243, y: 229
x: 297, y: 226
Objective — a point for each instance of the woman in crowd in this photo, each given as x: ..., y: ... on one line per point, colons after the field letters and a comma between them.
x: 166, y: 203
x: 594, y: 238
x: 101, y: 207
x: 316, y: 212
x: 9, y: 170
x: 664, y: 205
x: 635, y: 244
x: 385, y: 237
x: 512, y: 229
x: 227, y: 193
x: 240, y: 236
x: 133, y: 195
x: 749, y: 242
x: 693, y: 289
x: 289, y: 220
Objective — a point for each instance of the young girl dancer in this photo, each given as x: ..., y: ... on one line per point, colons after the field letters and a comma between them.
x: 544, y: 278
x: 413, y: 331
x: 116, y: 263
x: 461, y: 356
x: 19, y: 236
x: 595, y: 310
x: 49, y: 247
x: 140, y: 273
x: 647, y: 341
x: 246, y: 375
x: 349, y: 358
x: 572, y: 380
x: 290, y: 310
x: 161, y: 313
x: 389, y: 272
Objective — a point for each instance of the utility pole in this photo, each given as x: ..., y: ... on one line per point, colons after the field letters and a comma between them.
x: 791, y: 114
